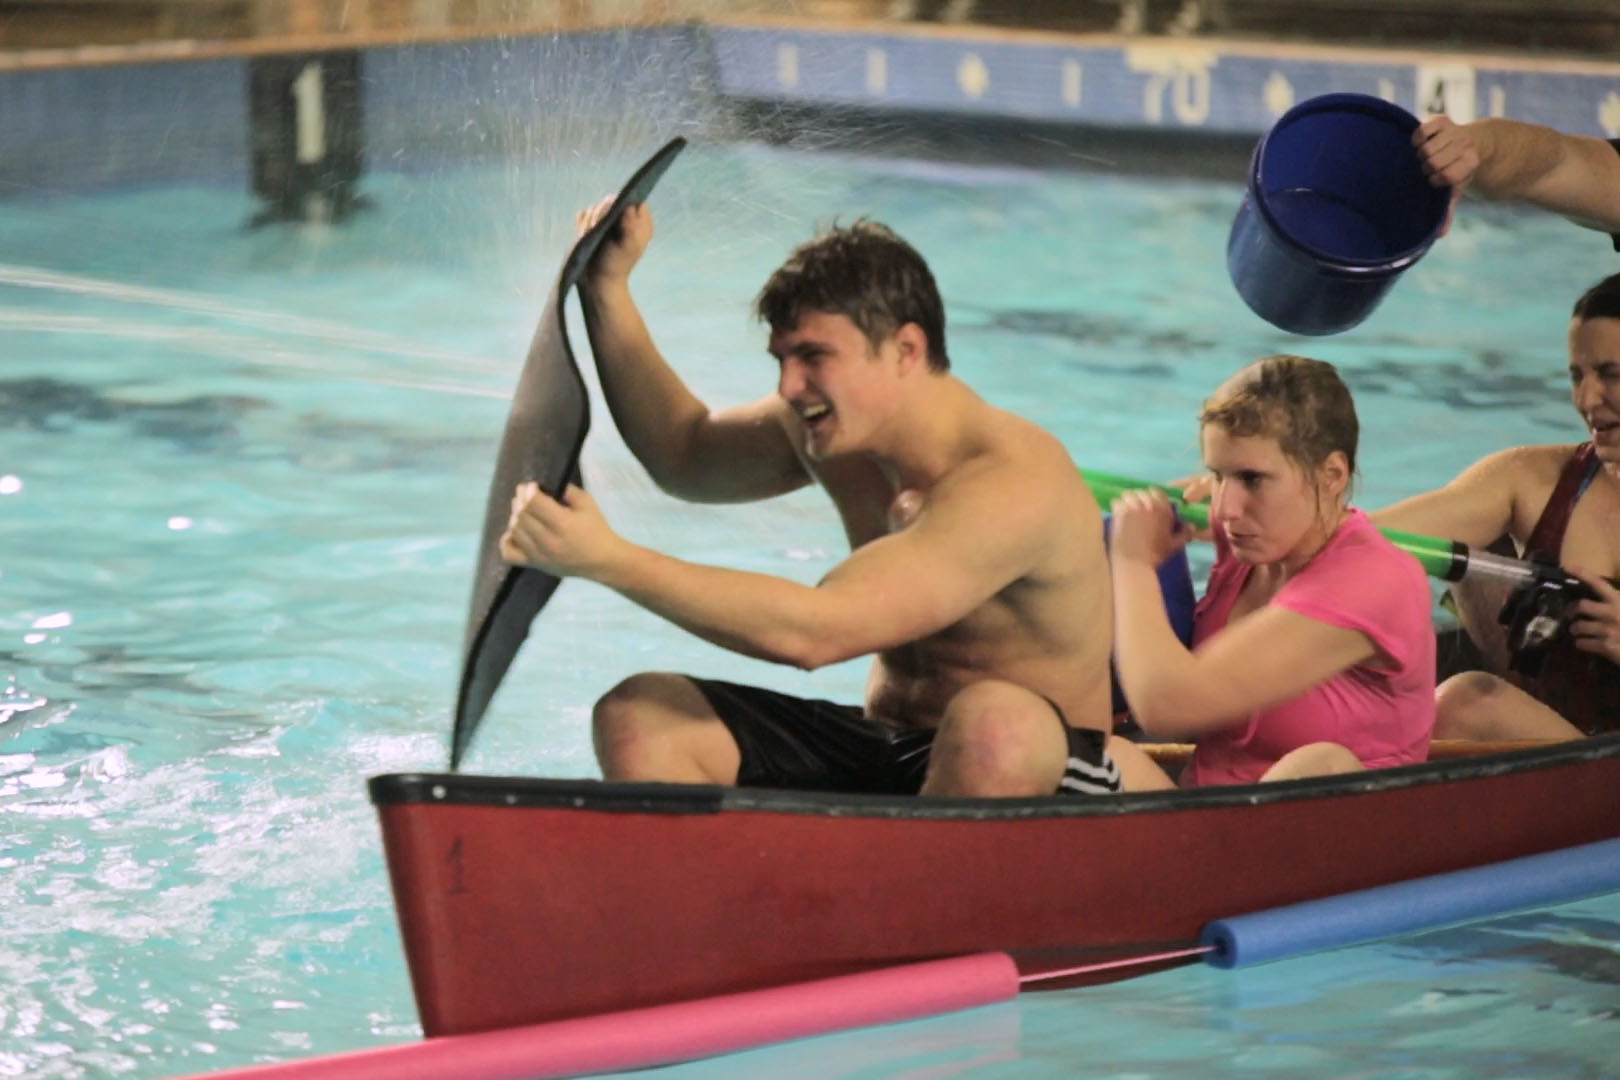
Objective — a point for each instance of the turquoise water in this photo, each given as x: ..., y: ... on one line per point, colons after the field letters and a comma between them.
x: 241, y: 478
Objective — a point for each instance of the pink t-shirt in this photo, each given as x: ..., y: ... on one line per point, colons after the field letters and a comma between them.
x: 1384, y: 715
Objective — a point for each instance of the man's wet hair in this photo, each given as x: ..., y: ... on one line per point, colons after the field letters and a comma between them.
x: 866, y: 273
x: 1601, y: 301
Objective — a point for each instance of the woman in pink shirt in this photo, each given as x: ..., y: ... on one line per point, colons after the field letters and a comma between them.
x: 1313, y: 649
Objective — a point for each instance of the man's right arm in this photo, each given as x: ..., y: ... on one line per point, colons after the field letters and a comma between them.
x: 1574, y: 175
x: 731, y: 455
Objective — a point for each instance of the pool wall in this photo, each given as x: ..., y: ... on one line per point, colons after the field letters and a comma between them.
x: 1147, y: 83
x: 74, y: 119
x: 148, y: 119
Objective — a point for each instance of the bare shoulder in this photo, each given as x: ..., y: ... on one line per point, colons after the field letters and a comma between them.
x: 1521, y: 466
x: 1030, y: 460
x: 1032, y: 445
x: 1022, y: 483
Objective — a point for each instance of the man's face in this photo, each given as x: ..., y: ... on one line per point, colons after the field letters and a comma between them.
x: 1594, y: 379
x: 839, y: 386
x: 1263, y: 500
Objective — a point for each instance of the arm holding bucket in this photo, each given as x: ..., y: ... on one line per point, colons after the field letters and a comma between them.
x: 1574, y: 175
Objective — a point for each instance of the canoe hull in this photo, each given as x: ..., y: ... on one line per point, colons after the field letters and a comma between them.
x: 523, y: 901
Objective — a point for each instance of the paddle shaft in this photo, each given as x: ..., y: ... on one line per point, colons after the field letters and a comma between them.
x: 1447, y: 560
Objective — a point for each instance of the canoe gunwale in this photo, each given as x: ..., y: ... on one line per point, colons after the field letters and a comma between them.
x: 660, y: 798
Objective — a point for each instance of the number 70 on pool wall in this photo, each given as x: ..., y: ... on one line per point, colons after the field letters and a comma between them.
x: 1177, y: 76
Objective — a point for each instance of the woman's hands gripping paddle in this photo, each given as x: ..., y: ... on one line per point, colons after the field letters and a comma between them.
x: 1146, y: 528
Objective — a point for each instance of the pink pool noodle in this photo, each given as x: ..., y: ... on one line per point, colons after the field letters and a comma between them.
x: 664, y: 1034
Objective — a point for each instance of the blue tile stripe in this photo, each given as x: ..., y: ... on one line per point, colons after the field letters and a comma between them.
x: 1189, y: 84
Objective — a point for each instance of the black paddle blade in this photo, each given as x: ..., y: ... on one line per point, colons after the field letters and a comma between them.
x: 545, y: 431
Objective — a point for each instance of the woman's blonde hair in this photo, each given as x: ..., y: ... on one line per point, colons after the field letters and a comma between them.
x: 1300, y: 402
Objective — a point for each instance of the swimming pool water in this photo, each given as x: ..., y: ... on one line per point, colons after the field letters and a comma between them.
x: 241, y: 478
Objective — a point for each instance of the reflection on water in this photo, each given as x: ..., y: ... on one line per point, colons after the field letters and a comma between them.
x: 1482, y: 383
x: 202, y: 423
x: 1488, y: 379
x: 1577, y: 947
x: 217, y: 425
x: 1081, y: 328
x: 978, y: 1042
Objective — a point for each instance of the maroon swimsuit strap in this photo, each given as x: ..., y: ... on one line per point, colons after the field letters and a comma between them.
x: 1581, y: 687
x: 1548, y: 535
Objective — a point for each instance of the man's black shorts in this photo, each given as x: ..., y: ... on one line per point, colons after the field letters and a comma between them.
x: 805, y: 745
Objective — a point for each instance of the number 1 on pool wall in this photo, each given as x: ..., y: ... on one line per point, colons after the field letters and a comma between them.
x: 307, y: 91
x: 305, y: 122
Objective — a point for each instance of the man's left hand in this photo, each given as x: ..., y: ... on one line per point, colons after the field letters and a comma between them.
x: 566, y: 538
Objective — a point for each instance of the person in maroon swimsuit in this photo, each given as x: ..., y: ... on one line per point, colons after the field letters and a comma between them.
x: 1558, y: 500
x: 1563, y: 502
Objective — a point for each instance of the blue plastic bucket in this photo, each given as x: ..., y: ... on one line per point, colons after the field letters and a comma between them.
x: 1337, y: 207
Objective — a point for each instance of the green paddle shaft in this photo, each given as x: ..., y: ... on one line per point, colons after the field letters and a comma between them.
x: 1444, y: 559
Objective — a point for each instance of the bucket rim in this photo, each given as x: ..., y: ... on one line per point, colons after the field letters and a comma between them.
x: 1343, y: 265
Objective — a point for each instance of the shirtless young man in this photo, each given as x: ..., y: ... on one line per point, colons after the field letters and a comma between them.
x: 1561, y: 499
x: 977, y: 576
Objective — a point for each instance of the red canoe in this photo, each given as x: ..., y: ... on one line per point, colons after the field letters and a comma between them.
x: 523, y: 900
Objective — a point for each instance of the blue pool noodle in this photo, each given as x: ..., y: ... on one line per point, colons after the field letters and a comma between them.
x: 1555, y: 877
